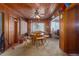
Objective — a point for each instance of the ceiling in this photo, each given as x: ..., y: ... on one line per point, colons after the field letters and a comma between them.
x: 27, y: 10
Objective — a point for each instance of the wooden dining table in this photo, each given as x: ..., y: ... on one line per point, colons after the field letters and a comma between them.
x: 40, y: 38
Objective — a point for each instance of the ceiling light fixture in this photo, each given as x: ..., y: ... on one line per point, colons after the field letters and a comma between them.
x: 37, y: 14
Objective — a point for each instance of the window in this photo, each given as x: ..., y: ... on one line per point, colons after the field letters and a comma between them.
x: 37, y: 27
x: 23, y: 26
x: 55, y: 24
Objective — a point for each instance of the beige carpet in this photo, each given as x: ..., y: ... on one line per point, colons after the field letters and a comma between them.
x: 51, y: 48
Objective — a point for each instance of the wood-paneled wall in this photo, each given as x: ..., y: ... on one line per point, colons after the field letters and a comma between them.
x: 77, y: 28
x: 9, y: 27
x: 13, y: 28
x: 69, y: 30
x: 6, y: 30
x: 10, y: 30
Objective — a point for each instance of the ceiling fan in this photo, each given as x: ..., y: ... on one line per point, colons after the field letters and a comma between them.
x: 38, y: 13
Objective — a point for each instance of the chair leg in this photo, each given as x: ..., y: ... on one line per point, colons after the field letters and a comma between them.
x: 42, y: 42
x: 33, y: 42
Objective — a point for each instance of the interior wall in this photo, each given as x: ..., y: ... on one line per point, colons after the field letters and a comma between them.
x: 28, y: 26
x: 47, y: 26
x: 63, y: 40
x: 14, y: 29
x: 69, y: 31
x: 77, y: 28
x: 6, y: 30
x: 9, y: 29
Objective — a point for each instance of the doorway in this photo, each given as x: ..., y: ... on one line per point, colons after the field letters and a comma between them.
x: 55, y: 27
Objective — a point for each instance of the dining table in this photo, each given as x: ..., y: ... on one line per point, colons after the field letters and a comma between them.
x: 38, y: 38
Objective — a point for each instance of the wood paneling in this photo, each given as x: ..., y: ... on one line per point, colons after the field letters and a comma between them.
x: 77, y: 28
x: 8, y: 27
x: 63, y: 32
x: 16, y: 30
x: 47, y: 26
x: 11, y: 30
x: 6, y: 30
x: 69, y: 31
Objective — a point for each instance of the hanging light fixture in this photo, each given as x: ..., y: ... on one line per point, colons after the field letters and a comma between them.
x: 37, y: 14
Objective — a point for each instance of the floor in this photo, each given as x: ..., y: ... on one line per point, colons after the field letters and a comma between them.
x: 51, y: 48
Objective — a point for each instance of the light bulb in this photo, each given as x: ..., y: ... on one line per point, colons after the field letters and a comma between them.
x: 37, y: 16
